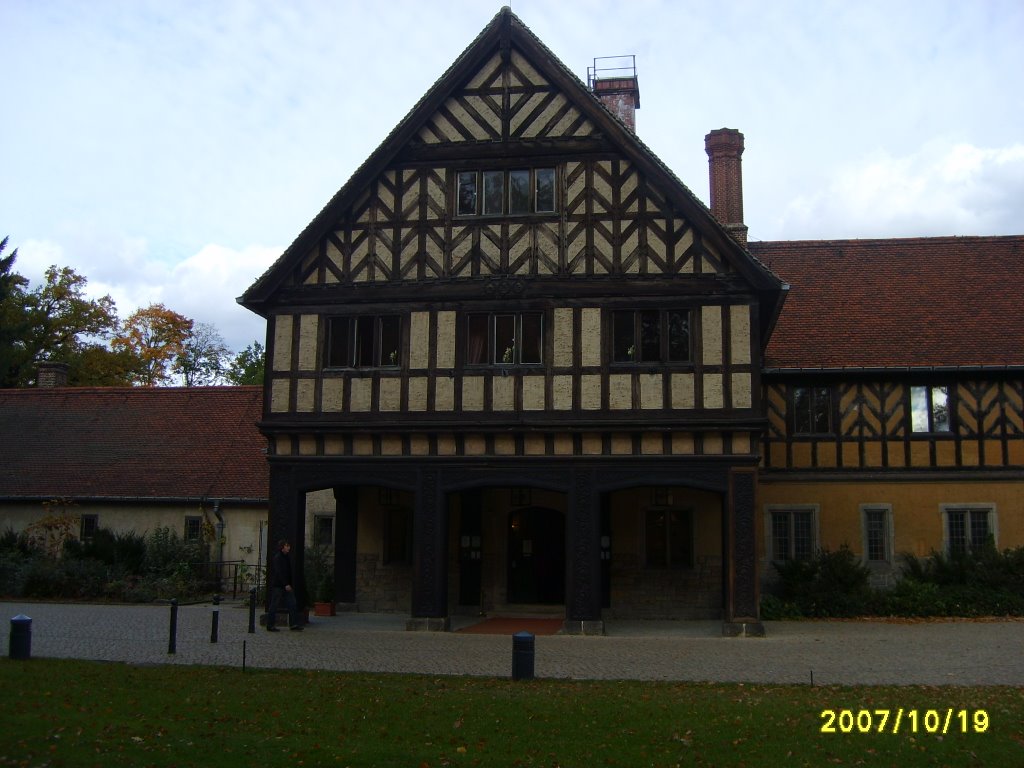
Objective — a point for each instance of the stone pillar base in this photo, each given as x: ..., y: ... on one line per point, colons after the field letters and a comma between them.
x: 428, y: 624
x: 750, y: 628
x: 572, y: 627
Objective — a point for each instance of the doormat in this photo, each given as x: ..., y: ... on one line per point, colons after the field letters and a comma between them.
x: 509, y: 625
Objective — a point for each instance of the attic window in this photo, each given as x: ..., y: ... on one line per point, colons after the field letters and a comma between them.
x: 515, y: 192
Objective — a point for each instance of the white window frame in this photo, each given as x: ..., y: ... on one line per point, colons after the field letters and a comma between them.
x: 993, y: 519
x: 886, y: 509
x: 769, y: 539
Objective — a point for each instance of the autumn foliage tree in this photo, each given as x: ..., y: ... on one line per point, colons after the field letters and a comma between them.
x: 156, y: 336
x: 55, y: 321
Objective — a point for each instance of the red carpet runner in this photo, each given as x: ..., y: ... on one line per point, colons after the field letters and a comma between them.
x: 511, y: 625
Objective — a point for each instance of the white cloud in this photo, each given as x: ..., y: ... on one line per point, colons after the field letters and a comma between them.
x: 942, y: 189
x: 202, y: 287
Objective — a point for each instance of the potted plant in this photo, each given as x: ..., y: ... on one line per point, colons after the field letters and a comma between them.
x: 323, y: 602
x: 320, y: 580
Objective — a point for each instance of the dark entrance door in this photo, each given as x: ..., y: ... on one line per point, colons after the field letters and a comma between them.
x: 536, y: 556
x: 470, y: 548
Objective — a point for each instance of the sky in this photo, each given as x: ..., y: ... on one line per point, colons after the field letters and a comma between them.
x: 170, y: 150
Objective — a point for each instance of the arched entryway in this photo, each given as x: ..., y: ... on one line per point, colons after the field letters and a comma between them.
x: 536, y: 556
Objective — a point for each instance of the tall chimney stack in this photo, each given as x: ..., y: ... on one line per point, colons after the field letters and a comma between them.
x: 613, y: 80
x: 725, y: 148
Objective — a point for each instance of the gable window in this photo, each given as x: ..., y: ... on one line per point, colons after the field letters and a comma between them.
x: 929, y: 409
x: 651, y: 336
x: 504, y: 338
x: 88, y: 525
x: 968, y: 528
x: 515, y: 192
x: 877, y: 526
x: 193, y: 528
x: 812, y: 410
x: 792, y: 533
x: 367, y: 341
x: 668, y: 538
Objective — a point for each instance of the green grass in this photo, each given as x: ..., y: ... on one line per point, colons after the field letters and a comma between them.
x: 76, y: 713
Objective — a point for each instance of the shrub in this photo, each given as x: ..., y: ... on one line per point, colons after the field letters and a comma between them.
x: 831, y: 584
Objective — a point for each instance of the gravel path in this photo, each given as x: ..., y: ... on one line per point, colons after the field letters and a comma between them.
x: 840, y: 652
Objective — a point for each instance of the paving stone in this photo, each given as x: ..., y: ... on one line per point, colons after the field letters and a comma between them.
x: 839, y: 653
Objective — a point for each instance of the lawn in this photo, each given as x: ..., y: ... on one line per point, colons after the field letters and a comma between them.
x: 78, y: 713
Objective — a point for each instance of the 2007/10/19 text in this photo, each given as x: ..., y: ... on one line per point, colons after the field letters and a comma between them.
x: 905, y: 720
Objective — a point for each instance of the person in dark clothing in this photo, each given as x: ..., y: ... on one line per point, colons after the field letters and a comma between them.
x: 282, y: 589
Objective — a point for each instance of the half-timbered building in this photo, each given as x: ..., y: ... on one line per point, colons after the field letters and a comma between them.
x: 516, y: 365
x: 521, y: 361
x: 894, y: 387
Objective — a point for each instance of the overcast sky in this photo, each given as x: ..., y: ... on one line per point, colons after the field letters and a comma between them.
x: 169, y: 151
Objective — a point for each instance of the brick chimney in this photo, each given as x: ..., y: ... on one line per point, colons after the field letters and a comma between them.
x: 613, y: 80
x: 725, y: 148
x: 52, y: 375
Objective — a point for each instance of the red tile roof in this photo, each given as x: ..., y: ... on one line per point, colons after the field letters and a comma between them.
x: 160, y: 442
x: 921, y: 302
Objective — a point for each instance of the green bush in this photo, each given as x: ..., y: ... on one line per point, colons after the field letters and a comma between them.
x: 829, y: 585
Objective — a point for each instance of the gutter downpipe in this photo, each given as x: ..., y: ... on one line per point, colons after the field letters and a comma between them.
x: 220, y: 532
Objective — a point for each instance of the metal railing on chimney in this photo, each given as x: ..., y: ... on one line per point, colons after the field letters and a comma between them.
x: 611, y: 68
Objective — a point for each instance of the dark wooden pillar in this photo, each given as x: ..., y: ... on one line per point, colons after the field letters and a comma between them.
x: 287, y: 520
x: 430, y: 556
x: 583, y: 557
x: 346, y: 520
x: 742, y: 613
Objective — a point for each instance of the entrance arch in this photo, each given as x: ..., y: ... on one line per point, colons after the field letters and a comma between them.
x: 536, y: 556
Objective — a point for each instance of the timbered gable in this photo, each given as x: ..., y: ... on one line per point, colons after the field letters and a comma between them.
x: 509, y: 108
x: 506, y: 100
x: 612, y: 221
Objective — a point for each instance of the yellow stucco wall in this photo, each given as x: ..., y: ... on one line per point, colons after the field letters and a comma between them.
x: 916, y: 510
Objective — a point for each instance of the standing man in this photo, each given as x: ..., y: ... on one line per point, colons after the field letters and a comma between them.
x: 282, y: 589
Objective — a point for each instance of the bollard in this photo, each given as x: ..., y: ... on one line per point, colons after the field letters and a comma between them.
x: 215, y: 621
x: 172, y: 643
x: 522, y: 656
x: 252, y: 610
x: 21, y: 637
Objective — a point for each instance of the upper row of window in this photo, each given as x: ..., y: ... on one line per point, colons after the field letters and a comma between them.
x: 812, y: 410
x: 649, y: 336
x: 514, y: 192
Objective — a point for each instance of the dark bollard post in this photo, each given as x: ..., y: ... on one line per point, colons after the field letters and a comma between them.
x: 252, y: 610
x: 21, y: 637
x: 215, y: 623
x: 523, y: 646
x: 172, y: 643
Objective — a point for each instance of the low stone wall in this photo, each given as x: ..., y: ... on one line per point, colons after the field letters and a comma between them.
x: 382, y: 588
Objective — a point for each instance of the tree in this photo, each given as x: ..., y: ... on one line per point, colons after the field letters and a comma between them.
x: 156, y: 335
x: 202, y: 358
x: 13, y: 324
x: 248, y: 366
x: 52, y: 322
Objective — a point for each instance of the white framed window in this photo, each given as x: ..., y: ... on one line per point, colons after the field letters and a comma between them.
x: 877, y: 533
x: 193, y: 528
x: 791, y: 531
x: 968, y: 526
x: 88, y: 525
